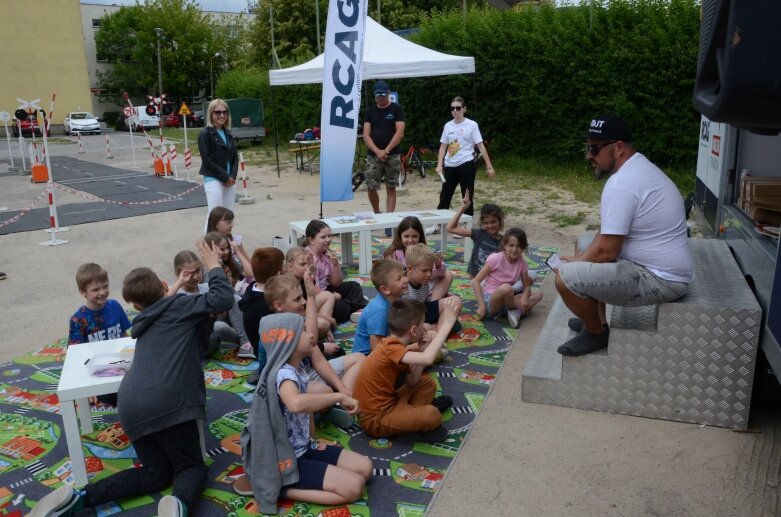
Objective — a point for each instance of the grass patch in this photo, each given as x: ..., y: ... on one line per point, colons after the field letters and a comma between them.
x: 563, y: 220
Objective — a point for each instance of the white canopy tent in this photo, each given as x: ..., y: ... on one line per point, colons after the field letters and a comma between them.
x: 385, y: 56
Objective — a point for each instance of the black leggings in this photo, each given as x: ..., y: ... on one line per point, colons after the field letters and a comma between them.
x: 464, y: 174
x: 352, y: 300
x: 171, y: 454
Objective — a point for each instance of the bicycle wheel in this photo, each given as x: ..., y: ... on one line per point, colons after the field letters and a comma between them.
x: 358, y: 178
x: 403, y: 172
x: 417, y: 164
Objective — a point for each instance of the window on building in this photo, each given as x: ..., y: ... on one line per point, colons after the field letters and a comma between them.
x: 96, y: 23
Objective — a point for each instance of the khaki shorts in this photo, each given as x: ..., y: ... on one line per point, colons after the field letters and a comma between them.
x: 378, y: 171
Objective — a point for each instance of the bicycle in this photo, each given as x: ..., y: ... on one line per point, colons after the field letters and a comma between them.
x: 412, y: 161
x: 476, y: 154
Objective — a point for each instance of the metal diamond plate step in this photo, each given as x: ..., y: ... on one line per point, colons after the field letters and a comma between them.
x: 691, y: 360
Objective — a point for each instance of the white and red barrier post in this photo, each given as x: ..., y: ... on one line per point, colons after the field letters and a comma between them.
x: 5, y: 117
x: 109, y: 156
x: 188, y: 162
x: 173, y: 161
x: 246, y: 199
x: 81, y: 146
x: 54, y: 225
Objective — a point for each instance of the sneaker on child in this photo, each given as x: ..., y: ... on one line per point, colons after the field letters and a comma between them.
x: 354, y: 317
x: 171, y: 506
x: 514, y: 317
x: 243, y: 486
x: 434, y: 436
x: 389, y: 232
x: 431, y: 230
x: 246, y: 351
x: 339, y: 417
x: 442, y: 403
x: 64, y: 501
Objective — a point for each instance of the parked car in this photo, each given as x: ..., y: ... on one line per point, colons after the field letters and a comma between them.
x: 173, y: 120
x: 29, y: 124
x: 81, y: 122
x: 142, y: 119
x: 194, y: 120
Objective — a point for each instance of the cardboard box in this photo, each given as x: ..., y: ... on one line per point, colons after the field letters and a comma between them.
x: 763, y: 215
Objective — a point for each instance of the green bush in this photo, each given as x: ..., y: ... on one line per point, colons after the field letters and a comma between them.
x: 542, y: 72
x: 111, y: 117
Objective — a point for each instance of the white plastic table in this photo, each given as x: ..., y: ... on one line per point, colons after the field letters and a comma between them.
x: 75, y: 388
x: 380, y: 222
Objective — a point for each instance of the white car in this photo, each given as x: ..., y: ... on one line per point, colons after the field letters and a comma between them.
x: 81, y: 122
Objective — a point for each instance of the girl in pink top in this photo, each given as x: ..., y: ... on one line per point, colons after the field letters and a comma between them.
x: 493, y: 284
x: 410, y: 232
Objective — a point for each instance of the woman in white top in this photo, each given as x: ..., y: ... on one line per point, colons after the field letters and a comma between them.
x: 459, y: 138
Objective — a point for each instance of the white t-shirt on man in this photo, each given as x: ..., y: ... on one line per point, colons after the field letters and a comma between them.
x: 640, y: 202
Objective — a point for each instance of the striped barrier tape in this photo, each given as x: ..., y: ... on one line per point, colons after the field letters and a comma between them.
x: 24, y: 211
x: 92, y: 197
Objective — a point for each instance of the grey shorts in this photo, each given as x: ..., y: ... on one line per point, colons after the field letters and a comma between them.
x: 337, y: 364
x: 622, y: 283
x: 378, y: 171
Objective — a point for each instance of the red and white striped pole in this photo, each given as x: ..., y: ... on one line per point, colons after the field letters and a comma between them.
x: 188, y: 162
x: 81, y: 147
x: 173, y: 161
x: 54, y: 225
x: 109, y: 156
x: 246, y: 199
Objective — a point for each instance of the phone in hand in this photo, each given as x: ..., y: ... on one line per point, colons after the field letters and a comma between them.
x: 553, y: 262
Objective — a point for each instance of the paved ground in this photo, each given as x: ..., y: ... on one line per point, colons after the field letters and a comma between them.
x: 520, y: 458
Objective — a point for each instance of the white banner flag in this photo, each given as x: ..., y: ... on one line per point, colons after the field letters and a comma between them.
x: 343, y: 64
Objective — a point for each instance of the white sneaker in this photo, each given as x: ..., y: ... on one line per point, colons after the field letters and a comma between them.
x: 171, y: 506
x: 514, y: 317
x: 431, y: 230
x: 246, y: 351
x: 354, y: 317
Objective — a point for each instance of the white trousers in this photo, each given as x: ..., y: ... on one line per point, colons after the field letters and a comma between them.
x: 217, y: 194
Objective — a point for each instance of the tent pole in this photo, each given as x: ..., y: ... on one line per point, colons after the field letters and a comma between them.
x: 274, y: 122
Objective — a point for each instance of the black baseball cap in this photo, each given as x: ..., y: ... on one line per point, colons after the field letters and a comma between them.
x: 608, y: 127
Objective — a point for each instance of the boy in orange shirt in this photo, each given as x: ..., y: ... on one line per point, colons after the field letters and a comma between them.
x: 410, y: 412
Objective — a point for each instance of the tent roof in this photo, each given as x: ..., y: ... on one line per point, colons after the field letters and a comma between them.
x: 385, y: 56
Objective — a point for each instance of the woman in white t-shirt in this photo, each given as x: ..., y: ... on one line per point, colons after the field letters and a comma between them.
x: 458, y: 141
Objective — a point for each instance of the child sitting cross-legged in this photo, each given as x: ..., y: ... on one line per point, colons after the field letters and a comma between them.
x: 411, y: 411
x: 298, y: 260
x: 266, y: 263
x: 162, y: 397
x: 280, y: 457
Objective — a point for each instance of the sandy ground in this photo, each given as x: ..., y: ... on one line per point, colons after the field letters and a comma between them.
x: 520, y: 459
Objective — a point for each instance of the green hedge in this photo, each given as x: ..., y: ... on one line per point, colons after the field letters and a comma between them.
x: 543, y: 72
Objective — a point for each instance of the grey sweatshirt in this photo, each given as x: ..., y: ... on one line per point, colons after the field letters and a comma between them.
x: 269, y: 459
x: 165, y: 385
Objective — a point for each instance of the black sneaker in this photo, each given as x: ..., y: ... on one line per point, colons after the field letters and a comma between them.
x: 435, y: 436
x: 253, y: 378
x: 575, y: 324
x: 442, y: 403
x: 585, y: 343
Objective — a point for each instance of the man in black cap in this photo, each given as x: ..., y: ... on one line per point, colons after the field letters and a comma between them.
x: 640, y: 256
x: 383, y: 129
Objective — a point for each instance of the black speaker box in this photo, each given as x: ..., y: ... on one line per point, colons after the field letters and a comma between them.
x: 739, y: 63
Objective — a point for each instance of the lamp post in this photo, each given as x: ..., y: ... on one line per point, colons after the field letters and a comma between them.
x: 211, y: 74
x: 159, y: 33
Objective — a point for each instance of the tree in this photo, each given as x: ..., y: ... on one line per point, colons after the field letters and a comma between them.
x: 127, y: 39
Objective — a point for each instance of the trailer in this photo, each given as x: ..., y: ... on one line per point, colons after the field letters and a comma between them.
x: 246, y: 119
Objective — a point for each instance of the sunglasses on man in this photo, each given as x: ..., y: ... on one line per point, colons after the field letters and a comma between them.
x: 380, y: 94
x: 593, y: 149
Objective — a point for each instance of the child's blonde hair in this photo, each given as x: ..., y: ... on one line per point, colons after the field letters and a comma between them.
x: 89, y: 273
x: 293, y: 253
x: 278, y: 288
x: 419, y: 255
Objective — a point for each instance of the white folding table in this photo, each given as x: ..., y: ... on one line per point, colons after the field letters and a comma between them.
x: 380, y: 222
x: 76, y: 387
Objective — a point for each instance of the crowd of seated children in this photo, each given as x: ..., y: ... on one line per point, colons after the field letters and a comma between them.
x: 161, y: 399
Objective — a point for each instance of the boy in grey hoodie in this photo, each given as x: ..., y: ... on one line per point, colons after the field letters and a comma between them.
x: 162, y: 397
x: 279, y: 455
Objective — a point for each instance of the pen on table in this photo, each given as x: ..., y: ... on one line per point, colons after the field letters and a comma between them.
x: 85, y: 362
